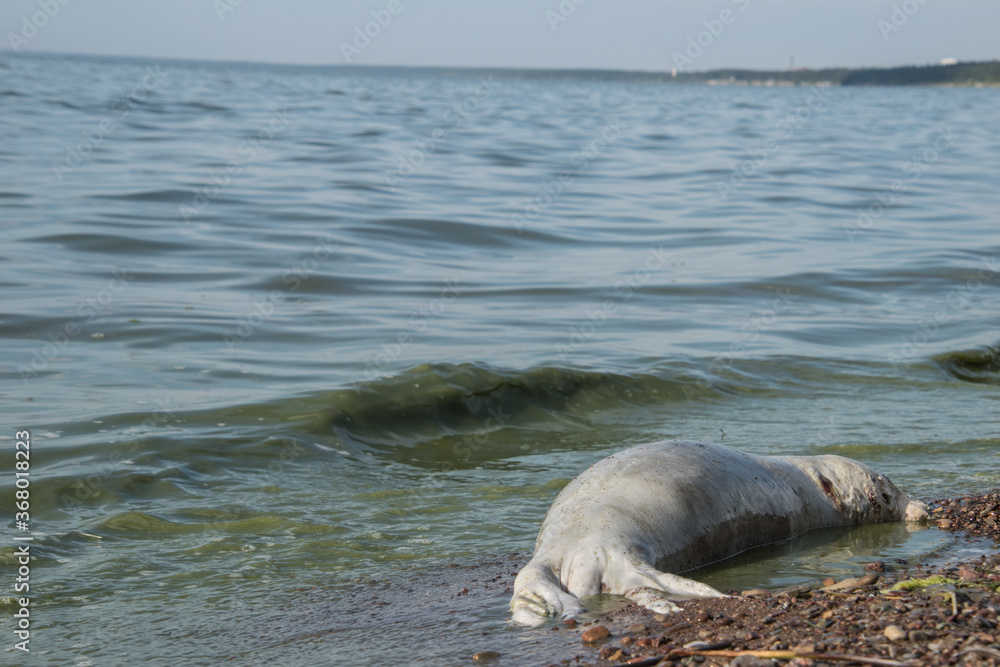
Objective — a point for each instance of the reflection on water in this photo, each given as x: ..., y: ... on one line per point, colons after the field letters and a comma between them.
x: 831, y: 552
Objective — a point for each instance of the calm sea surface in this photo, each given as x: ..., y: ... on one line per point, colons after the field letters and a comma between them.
x: 303, y: 352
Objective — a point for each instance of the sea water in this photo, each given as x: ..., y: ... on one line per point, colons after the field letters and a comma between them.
x: 304, y: 352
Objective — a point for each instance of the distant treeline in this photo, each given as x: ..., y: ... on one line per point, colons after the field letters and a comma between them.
x: 958, y: 74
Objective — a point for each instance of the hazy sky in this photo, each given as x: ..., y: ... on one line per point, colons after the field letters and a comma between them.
x: 626, y: 34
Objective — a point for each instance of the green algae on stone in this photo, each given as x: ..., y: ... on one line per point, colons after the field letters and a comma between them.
x: 914, y: 584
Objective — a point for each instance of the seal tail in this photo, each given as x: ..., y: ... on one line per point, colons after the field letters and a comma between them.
x: 538, y: 595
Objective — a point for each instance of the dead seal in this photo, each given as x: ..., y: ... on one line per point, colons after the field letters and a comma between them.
x: 630, y: 519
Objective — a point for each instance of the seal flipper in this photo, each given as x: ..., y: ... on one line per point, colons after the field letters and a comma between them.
x: 538, y: 595
x: 652, y: 589
x: 653, y: 600
x: 675, y: 585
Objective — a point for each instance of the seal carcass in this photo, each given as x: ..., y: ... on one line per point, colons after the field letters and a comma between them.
x: 630, y: 519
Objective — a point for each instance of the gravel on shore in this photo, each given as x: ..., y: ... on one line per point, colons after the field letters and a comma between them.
x: 948, y: 616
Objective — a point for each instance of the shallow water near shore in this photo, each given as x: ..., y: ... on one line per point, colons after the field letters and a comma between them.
x: 292, y: 342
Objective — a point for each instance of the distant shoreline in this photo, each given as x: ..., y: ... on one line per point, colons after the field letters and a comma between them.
x: 961, y: 74
x: 972, y: 74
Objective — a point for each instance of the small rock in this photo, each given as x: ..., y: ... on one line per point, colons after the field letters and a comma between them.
x: 483, y: 656
x: 894, y: 633
x: 829, y: 581
x: 918, y: 636
x: 756, y: 592
x: 677, y: 627
x: 869, y: 579
x: 846, y: 584
x: 703, y: 616
x: 750, y: 661
x: 570, y: 623
x: 804, y: 648
x: 944, y: 523
x: 637, y: 628
x: 595, y: 634
x: 795, y: 591
x: 611, y: 653
x: 877, y: 566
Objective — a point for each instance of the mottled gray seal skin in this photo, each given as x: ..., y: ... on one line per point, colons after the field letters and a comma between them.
x: 631, y: 518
